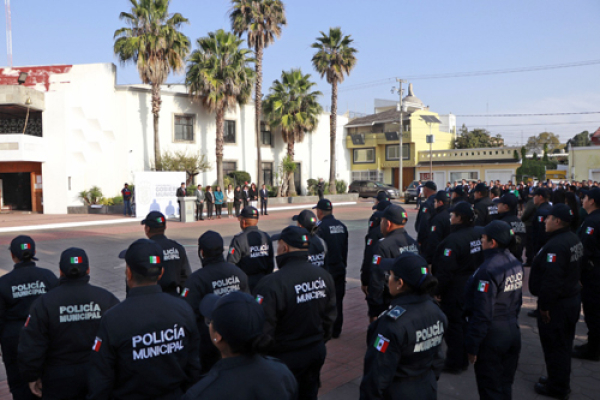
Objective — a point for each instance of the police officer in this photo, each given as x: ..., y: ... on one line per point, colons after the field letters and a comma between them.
x: 527, y: 217
x: 216, y: 276
x: 147, y: 346
x: 485, y: 210
x: 382, y: 197
x: 589, y: 234
x: 18, y: 290
x: 456, y: 258
x: 493, y: 301
x: 459, y: 195
x: 335, y: 235
x: 440, y: 226
x: 538, y: 225
x: 404, y: 354
x: 507, y: 212
x: 251, y: 249
x: 175, y: 264
x: 317, y: 249
x: 299, y: 305
x: 371, y: 240
x: 54, y: 348
x: 395, y: 242
x: 554, y: 279
x: 426, y: 212
x: 236, y: 330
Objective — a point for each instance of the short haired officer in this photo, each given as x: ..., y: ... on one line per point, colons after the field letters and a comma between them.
x: 251, y: 249
x: 147, y: 346
x: 236, y: 330
x: 18, y: 290
x: 299, y: 305
x: 371, y: 240
x: 426, y: 212
x: 538, y: 225
x: 404, y: 354
x: 440, y: 225
x: 175, y: 264
x: 54, y: 348
x: 335, y: 234
x: 493, y: 302
x: 507, y: 212
x: 484, y: 207
x: 317, y: 249
x: 216, y: 276
x: 554, y: 279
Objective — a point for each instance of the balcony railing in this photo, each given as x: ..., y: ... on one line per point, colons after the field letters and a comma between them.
x: 12, y: 126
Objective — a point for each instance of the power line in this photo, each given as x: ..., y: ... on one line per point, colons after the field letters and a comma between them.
x: 552, y: 123
x: 528, y: 115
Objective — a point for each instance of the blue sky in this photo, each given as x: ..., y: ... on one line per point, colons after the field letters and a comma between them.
x: 394, y: 39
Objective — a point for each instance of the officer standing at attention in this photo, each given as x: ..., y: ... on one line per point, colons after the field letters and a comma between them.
x: 493, y: 302
x: 299, y: 305
x: 54, y: 348
x: 251, y: 249
x: 216, y: 276
x: 485, y: 209
x: 236, y: 329
x: 371, y: 240
x: 317, y: 249
x: 458, y: 195
x: 18, y: 290
x: 147, y: 346
x: 335, y: 235
x: 507, y: 212
x: 456, y: 259
x: 426, y: 212
x: 554, y: 279
x: 175, y: 264
x: 440, y: 226
x: 538, y: 225
x: 181, y: 192
x: 404, y: 345
x: 589, y: 234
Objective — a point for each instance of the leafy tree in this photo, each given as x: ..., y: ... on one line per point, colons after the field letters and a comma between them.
x: 335, y: 57
x: 292, y: 106
x: 192, y: 164
x: 261, y: 21
x: 153, y: 42
x: 536, y: 143
x: 477, y: 138
x: 582, y: 139
x: 219, y: 75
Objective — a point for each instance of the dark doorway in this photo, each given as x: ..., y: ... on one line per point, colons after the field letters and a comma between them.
x: 298, y: 178
x: 407, y: 177
x: 16, y: 191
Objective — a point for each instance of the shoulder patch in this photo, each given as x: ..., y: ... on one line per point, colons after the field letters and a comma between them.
x: 483, y: 286
x: 396, y: 312
x: 424, y: 209
x: 232, y: 250
x: 589, y: 231
x: 259, y: 299
x: 381, y: 343
x: 447, y: 252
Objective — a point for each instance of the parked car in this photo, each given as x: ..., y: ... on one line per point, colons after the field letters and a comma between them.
x: 411, y: 192
x: 372, y: 189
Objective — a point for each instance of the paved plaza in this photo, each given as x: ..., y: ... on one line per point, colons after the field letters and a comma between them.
x: 343, y: 369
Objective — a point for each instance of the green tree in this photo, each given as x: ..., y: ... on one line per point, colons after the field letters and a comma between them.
x: 477, y: 138
x: 536, y: 143
x: 335, y: 57
x: 153, y: 42
x: 292, y: 106
x: 261, y: 21
x: 192, y: 164
x: 219, y: 75
x: 582, y: 139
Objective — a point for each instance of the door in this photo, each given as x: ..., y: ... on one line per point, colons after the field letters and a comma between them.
x: 16, y: 191
x: 298, y: 178
x: 408, y: 175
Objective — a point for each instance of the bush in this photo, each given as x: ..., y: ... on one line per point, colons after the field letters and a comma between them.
x: 190, y: 191
x: 341, y: 186
x: 311, y: 187
x: 92, y: 196
x: 239, y: 177
x: 273, y: 191
x: 117, y: 200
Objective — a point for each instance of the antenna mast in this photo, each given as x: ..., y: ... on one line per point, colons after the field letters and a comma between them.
x: 8, y: 33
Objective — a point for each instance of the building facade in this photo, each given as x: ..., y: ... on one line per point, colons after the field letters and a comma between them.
x: 584, y: 163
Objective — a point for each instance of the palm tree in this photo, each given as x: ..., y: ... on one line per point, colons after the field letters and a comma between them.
x: 153, y: 42
x: 334, y: 58
x: 292, y: 106
x: 262, y: 21
x: 219, y: 75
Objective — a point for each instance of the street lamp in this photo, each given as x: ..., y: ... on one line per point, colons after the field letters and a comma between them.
x: 400, y: 108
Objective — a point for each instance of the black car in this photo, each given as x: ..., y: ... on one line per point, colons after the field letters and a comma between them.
x: 372, y: 189
x: 411, y: 192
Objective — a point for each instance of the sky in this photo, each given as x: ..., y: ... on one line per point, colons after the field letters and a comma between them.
x: 394, y: 38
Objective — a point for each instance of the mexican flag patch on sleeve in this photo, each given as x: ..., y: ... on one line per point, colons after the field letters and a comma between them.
x: 551, y: 257
x: 483, y: 286
x: 381, y: 343
x: 447, y: 252
x: 97, y: 344
x: 589, y: 231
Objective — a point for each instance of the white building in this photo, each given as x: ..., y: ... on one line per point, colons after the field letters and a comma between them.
x: 84, y: 130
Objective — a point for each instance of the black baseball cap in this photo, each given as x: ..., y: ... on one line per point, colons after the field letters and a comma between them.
x: 410, y: 267
x: 395, y: 214
x: 143, y: 256
x: 541, y: 192
x: 430, y: 185
x: 458, y: 190
x: 210, y: 240
x: 562, y: 211
x: 375, y: 219
x: 237, y: 316
x: 155, y: 219
x: 295, y: 236
x: 306, y: 218
x: 324, y: 205
x: 249, y: 212
x: 382, y: 205
x: 593, y: 194
x: 509, y: 199
x: 383, y: 196
x: 442, y: 195
x: 23, y: 247
x: 463, y: 208
x: 74, y: 262
x: 481, y: 187
x: 500, y: 231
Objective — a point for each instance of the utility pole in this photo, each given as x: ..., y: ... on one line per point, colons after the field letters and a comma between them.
x: 400, y: 91
x: 9, y: 57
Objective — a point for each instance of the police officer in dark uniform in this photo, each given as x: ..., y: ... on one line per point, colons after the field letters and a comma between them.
x: 371, y: 240
x: 426, y: 212
x: 507, y: 212
x: 147, y: 346
x: 236, y: 329
x: 485, y: 210
x: 54, y: 348
x: 382, y: 197
x: 317, y: 249
x: 335, y: 235
x: 589, y: 234
x: 554, y: 279
x: 404, y: 354
x: 459, y: 195
x: 299, y: 305
x: 251, y: 249
x: 176, y: 267
x: 455, y: 260
x: 440, y: 226
x: 216, y: 276
x: 538, y: 225
x: 493, y: 302
x: 18, y: 290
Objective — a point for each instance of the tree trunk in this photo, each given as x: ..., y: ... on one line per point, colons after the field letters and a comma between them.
x: 291, y: 185
x: 332, y: 134
x: 258, y: 111
x: 219, y: 148
x: 156, y: 101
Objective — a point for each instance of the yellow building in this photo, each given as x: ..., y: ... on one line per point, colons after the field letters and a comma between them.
x: 584, y: 163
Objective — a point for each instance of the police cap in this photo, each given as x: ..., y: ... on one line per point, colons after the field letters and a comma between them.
x: 500, y: 231
x: 463, y: 208
x: 155, y: 219
x: 144, y: 256
x: 562, y: 211
x: 295, y: 236
x: 74, y: 262
x: 306, y: 218
x: 210, y: 240
x: 249, y: 212
x: 23, y: 247
x: 410, y: 267
x: 430, y: 185
x: 458, y: 190
x: 442, y: 196
x: 324, y: 205
x: 509, y: 199
x: 541, y: 192
x: 593, y: 194
x: 395, y: 214
x: 481, y: 187
x: 382, y: 205
x: 383, y: 196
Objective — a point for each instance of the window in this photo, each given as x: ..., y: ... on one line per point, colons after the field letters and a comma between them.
x: 391, y: 152
x: 229, y: 167
x: 424, y: 176
x: 229, y: 134
x: 267, y: 168
x: 459, y: 176
x: 184, y: 128
x: 364, y: 156
x: 266, y: 138
x: 373, y: 175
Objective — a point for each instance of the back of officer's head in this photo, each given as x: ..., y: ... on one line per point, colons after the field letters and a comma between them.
x: 498, y: 231
x: 324, y: 208
x: 210, y: 244
x: 465, y: 212
x: 144, y: 261
x: 292, y: 238
x: 248, y: 217
x: 394, y: 217
x: 155, y: 223
x: 22, y: 248
x: 413, y: 270
x: 74, y: 263
x: 308, y: 220
x: 441, y: 198
x: 481, y: 190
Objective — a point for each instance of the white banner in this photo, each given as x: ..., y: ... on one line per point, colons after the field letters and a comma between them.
x: 156, y: 191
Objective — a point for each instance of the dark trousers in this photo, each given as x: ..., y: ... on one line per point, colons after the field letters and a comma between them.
x: 305, y: 364
x: 209, y: 210
x: 127, y: 207
x: 209, y: 354
x: 497, y: 361
x: 590, y: 298
x: 557, y: 340
x: 423, y: 388
x: 263, y: 206
x: 9, y: 343
x: 456, y: 355
x: 529, y: 244
x: 65, y: 382
x: 199, y: 211
x: 219, y: 208
x: 236, y: 205
x: 340, y: 291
